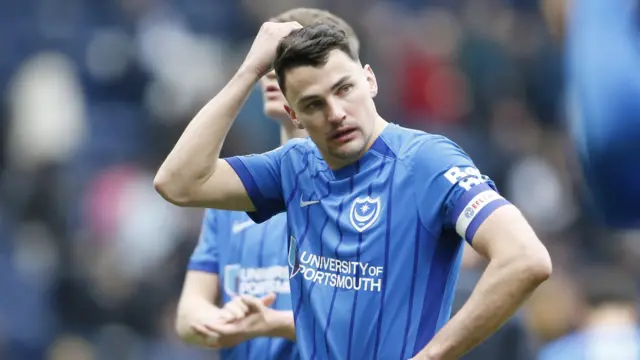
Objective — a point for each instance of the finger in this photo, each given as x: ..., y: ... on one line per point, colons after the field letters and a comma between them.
x: 204, y: 333
x: 237, y: 309
x: 269, y: 299
x: 254, y: 304
x: 222, y: 329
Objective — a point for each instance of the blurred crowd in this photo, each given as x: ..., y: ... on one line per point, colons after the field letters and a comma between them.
x: 95, y: 94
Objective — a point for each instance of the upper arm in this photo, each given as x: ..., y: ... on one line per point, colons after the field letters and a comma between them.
x: 202, y: 278
x: 249, y: 183
x: 225, y: 190
x: 206, y: 255
x: 199, y: 285
x: 469, y: 202
x: 451, y: 191
x: 261, y: 176
x: 506, y: 234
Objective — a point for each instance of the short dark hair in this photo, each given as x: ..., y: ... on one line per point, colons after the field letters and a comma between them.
x: 312, y: 16
x: 310, y: 46
x: 604, y: 284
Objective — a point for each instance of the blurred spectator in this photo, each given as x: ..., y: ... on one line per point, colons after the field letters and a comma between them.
x: 609, y: 324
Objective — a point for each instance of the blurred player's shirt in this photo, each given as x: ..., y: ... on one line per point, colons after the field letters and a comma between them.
x: 250, y: 259
x: 603, y: 68
x: 602, y: 343
x: 375, y: 246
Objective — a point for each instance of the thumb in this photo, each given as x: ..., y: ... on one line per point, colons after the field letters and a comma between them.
x: 268, y: 299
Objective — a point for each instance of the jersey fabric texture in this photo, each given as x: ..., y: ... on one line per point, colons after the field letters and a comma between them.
x: 374, y: 247
x: 250, y: 259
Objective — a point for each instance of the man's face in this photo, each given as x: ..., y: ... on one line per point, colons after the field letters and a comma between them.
x: 273, y: 99
x: 334, y: 103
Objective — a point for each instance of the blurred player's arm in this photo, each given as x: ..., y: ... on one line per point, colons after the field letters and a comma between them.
x: 518, y: 261
x: 196, y: 307
x: 193, y: 174
x: 200, y: 292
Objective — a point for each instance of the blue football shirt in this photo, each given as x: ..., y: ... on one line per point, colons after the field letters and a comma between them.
x: 604, y: 88
x: 250, y: 259
x: 374, y: 247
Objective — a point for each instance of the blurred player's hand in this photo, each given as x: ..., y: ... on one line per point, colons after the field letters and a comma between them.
x: 234, y: 310
x: 259, y: 320
x: 198, y: 332
x: 263, y: 50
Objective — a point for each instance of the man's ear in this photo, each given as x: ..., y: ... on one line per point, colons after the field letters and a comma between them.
x: 371, y: 80
x: 292, y: 116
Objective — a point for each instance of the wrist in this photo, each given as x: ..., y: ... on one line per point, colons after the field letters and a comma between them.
x: 248, y: 72
x: 431, y: 352
x: 280, y: 324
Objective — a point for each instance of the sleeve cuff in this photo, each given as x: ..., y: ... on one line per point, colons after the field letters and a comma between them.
x: 265, y: 208
x: 474, y: 207
x: 251, y: 186
x: 206, y: 266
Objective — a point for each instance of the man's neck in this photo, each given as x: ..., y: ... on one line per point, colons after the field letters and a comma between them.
x: 290, y: 132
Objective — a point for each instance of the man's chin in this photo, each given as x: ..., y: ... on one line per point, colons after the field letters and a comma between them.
x: 350, y: 151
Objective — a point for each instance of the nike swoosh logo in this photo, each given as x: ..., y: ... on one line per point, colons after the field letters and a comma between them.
x: 239, y: 226
x: 307, y: 203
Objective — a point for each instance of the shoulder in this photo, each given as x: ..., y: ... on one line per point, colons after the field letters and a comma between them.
x: 427, y: 153
x: 410, y: 144
x: 296, y: 148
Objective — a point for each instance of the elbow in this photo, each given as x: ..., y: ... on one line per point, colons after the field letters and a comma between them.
x: 541, y: 270
x: 181, y: 330
x: 170, y: 189
x: 538, y: 267
x: 184, y: 331
x: 530, y: 267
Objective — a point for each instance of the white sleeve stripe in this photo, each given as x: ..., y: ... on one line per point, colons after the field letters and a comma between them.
x: 473, y: 208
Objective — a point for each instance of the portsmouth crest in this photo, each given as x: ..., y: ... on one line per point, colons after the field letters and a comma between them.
x: 294, y: 262
x: 232, y: 280
x: 364, y: 212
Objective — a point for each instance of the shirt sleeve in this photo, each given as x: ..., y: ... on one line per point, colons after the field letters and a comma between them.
x: 206, y: 255
x: 451, y: 191
x: 262, y: 178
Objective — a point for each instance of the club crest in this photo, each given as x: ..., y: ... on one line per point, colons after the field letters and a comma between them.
x: 364, y: 212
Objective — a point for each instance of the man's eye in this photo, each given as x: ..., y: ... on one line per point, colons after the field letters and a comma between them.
x: 345, y: 88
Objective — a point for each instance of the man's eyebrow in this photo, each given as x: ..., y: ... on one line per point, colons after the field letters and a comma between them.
x: 338, y: 83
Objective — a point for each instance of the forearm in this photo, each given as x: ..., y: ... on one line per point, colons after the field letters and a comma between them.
x: 194, y: 157
x: 283, y: 325
x: 189, y: 308
x: 502, y: 289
